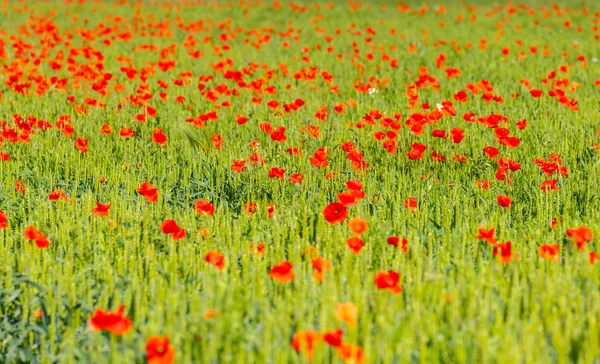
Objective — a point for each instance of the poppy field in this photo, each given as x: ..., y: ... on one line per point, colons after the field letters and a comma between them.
x: 289, y: 182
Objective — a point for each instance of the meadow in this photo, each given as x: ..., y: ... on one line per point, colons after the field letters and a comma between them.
x: 291, y: 182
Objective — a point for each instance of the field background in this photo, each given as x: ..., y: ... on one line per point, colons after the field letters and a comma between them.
x: 459, y: 303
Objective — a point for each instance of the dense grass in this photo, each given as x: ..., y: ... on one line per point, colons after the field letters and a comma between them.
x: 459, y: 302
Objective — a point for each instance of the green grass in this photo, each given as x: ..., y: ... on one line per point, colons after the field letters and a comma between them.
x: 459, y: 303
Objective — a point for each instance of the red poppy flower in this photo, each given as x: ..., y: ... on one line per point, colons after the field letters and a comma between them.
x: 159, y: 351
x: 388, y: 280
x: 217, y: 141
x: 536, y: 93
x: 416, y: 151
x: 305, y: 341
x: 20, y: 186
x: 347, y: 198
x: 461, y: 96
x: 114, y: 322
x: 394, y: 241
x: 447, y: 108
x: 504, y: 201
x: 238, y: 166
x: 3, y: 220
x: 101, y: 209
x: 294, y: 151
x: 391, y: 145
x: 334, y: 338
x: 278, y: 134
x: 510, y: 142
x: 270, y: 209
x: 171, y: 227
x: 491, y: 152
x: 457, y: 135
x: 320, y: 266
x: 319, y: 159
x: 58, y: 194
x: 355, y: 244
x: 358, y: 225
x: 106, y: 129
x: 127, y: 133
x: 255, y: 159
x: 250, y: 208
x: 204, y: 208
x: 437, y: 157
x: 483, y: 184
x: 149, y: 192
x: 296, y: 178
x: 437, y: 133
x: 241, y: 120
x: 548, y: 168
x: 504, y: 253
x: 581, y: 236
x: 354, y: 185
x: 512, y: 165
x: 277, y: 173
x: 335, y: 212
x: 469, y: 117
x: 487, y: 235
x: 81, y: 144
x: 266, y: 127
x: 550, y: 252
x: 351, y: 353
x: 358, y: 194
x: 521, y: 124
x: 501, y: 174
x: 411, y: 204
x: 283, y: 272
x: 347, y: 312
x: 215, y: 258
x: 259, y: 249
x: 150, y: 111
x: 33, y: 234
x: 158, y: 137
x: 549, y: 185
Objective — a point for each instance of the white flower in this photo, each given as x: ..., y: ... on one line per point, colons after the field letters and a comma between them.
x: 373, y: 91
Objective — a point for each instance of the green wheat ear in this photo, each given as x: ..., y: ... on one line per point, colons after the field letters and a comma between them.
x: 190, y: 135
